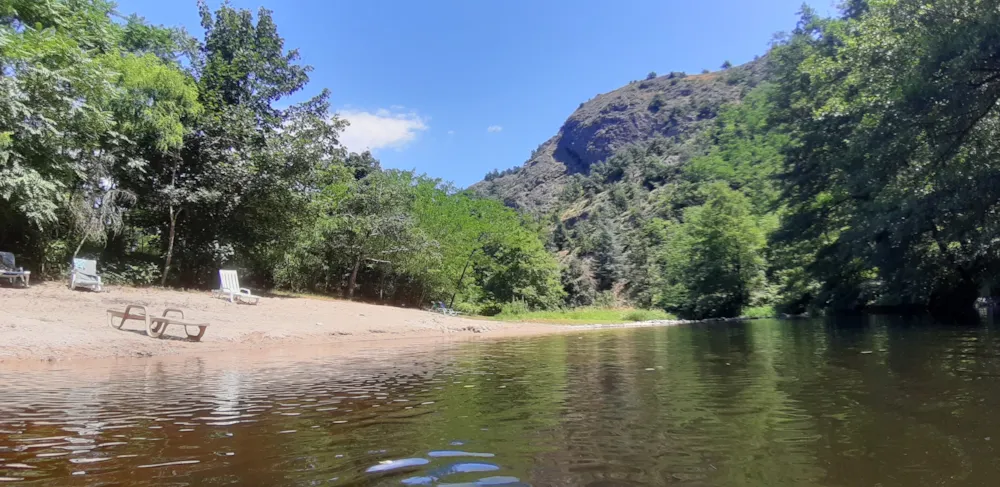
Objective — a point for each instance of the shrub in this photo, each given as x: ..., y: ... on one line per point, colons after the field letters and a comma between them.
x: 651, y: 75
x: 514, y: 308
x: 760, y: 312
x: 657, y: 103
x: 138, y: 274
x: 645, y: 315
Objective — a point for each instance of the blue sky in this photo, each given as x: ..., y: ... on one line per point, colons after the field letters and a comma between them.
x: 456, y: 88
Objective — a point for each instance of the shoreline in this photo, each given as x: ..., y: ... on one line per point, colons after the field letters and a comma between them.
x: 48, y: 323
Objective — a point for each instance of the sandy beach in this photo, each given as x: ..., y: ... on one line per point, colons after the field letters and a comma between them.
x: 49, y: 322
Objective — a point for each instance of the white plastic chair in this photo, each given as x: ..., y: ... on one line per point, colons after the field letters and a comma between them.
x: 84, y: 274
x: 229, y: 287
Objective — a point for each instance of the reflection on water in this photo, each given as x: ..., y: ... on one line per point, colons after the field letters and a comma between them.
x: 868, y: 401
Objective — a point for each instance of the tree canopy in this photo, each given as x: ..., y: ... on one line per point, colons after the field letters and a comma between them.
x: 171, y: 156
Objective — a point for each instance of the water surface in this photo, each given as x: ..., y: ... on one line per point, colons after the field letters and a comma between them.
x: 865, y: 401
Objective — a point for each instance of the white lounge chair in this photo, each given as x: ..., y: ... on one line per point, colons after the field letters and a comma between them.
x: 10, y: 271
x: 156, y: 325
x: 230, y: 288
x: 84, y: 274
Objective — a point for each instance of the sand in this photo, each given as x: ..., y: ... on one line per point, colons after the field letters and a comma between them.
x: 51, y: 323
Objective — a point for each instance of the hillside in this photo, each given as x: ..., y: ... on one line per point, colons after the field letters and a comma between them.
x: 675, y: 105
x: 623, y: 183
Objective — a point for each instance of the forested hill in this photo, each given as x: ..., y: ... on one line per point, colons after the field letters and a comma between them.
x: 628, y: 169
x: 853, y: 167
x: 674, y: 105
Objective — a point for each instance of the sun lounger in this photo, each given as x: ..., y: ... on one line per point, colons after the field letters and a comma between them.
x: 229, y: 287
x: 10, y: 271
x: 84, y: 274
x: 440, y: 307
x: 156, y: 325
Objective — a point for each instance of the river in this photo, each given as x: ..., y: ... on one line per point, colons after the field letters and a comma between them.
x: 870, y: 401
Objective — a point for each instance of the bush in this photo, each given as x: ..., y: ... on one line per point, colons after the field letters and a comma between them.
x: 122, y: 273
x: 514, y: 308
x: 651, y: 75
x: 657, y: 103
x: 760, y: 312
x: 55, y: 260
x: 584, y: 315
x: 646, y: 315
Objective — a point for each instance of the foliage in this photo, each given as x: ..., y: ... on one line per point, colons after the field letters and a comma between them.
x: 131, y: 274
x: 171, y: 156
x: 412, y: 239
x: 717, y: 257
x: 494, y: 174
x: 583, y: 315
x: 657, y: 103
x: 862, y: 172
x: 866, y: 159
x: 97, y: 214
x: 893, y: 110
x: 760, y: 312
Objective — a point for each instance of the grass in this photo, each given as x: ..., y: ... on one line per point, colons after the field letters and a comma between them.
x: 586, y: 316
x: 760, y: 312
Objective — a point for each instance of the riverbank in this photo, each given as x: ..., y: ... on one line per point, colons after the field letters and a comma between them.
x: 49, y: 322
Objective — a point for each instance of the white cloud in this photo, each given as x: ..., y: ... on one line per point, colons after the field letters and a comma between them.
x: 380, y: 129
x: 451, y: 132
x: 494, y: 129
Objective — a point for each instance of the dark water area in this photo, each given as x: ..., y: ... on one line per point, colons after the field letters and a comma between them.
x: 870, y: 401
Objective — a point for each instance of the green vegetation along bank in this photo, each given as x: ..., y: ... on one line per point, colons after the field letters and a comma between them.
x: 167, y: 157
x: 854, y: 166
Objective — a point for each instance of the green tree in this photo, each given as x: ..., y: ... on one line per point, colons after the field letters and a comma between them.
x: 53, y: 96
x: 717, y: 255
x: 893, y: 109
x: 609, y: 257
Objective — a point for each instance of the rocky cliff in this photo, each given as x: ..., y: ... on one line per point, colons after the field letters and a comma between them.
x: 676, y: 106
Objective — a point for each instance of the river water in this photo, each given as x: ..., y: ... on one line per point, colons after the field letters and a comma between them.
x: 863, y: 401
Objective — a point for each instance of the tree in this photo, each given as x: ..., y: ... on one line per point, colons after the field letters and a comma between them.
x: 52, y: 102
x: 608, y: 257
x: 98, y: 214
x: 77, y: 114
x: 893, y: 108
x: 657, y: 103
x: 718, y: 257
x: 229, y: 180
x: 651, y: 75
x: 373, y: 223
x: 726, y: 64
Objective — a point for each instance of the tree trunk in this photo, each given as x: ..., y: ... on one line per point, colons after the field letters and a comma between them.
x: 170, y: 245
x: 354, y: 278
x: 957, y: 300
x: 78, y: 247
x: 458, y: 284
